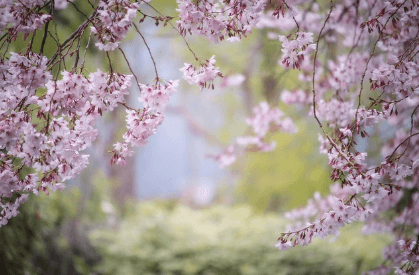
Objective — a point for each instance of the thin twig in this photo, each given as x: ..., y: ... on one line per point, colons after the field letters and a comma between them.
x: 293, y: 17
x: 72, y: 36
x: 194, y: 126
x: 129, y: 66
x: 149, y: 50
x: 369, y: 58
x: 332, y: 142
x: 170, y: 23
x: 85, y: 52
x: 44, y: 38
x: 314, y: 66
x: 398, y: 146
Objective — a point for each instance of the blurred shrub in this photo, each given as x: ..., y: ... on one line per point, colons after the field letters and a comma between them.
x: 48, y: 237
x: 159, y: 238
x: 18, y: 240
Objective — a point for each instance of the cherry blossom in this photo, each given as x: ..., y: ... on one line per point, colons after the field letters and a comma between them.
x: 265, y: 119
x: 219, y: 20
x: 297, y: 49
x: 358, y: 68
x: 112, y: 25
x: 143, y: 123
x: 364, y: 187
x: 22, y: 16
x: 203, y: 76
x: 232, y: 80
x: 48, y: 130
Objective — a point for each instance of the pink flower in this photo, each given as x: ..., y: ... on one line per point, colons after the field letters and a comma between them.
x: 204, y: 76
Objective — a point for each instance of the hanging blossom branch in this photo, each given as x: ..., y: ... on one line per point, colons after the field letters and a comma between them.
x: 385, y: 54
x: 265, y: 119
x: 47, y: 120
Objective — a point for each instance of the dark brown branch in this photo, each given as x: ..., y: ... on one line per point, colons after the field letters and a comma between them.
x: 44, y: 38
x: 72, y: 36
x: 398, y: 146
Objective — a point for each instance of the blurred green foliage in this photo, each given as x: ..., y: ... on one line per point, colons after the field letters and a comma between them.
x: 64, y: 24
x: 164, y: 237
x: 167, y: 238
x: 286, y: 177
x: 49, y: 235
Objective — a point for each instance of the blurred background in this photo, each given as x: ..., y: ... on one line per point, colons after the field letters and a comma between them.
x: 171, y: 210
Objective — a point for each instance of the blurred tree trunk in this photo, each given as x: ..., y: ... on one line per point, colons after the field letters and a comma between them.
x: 271, y: 53
x: 123, y: 186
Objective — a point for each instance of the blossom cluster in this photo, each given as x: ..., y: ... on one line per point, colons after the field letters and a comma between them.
x: 46, y: 132
x: 295, y: 50
x: 347, y: 110
x: 202, y: 76
x: 232, y: 80
x: 112, y: 24
x: 296, y: 97
x: 362, y: 77
x: 264, y: 120
x: 22, y: 16
x: 143, y: 123
x: 48, y: 121
x: 218, y: 20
